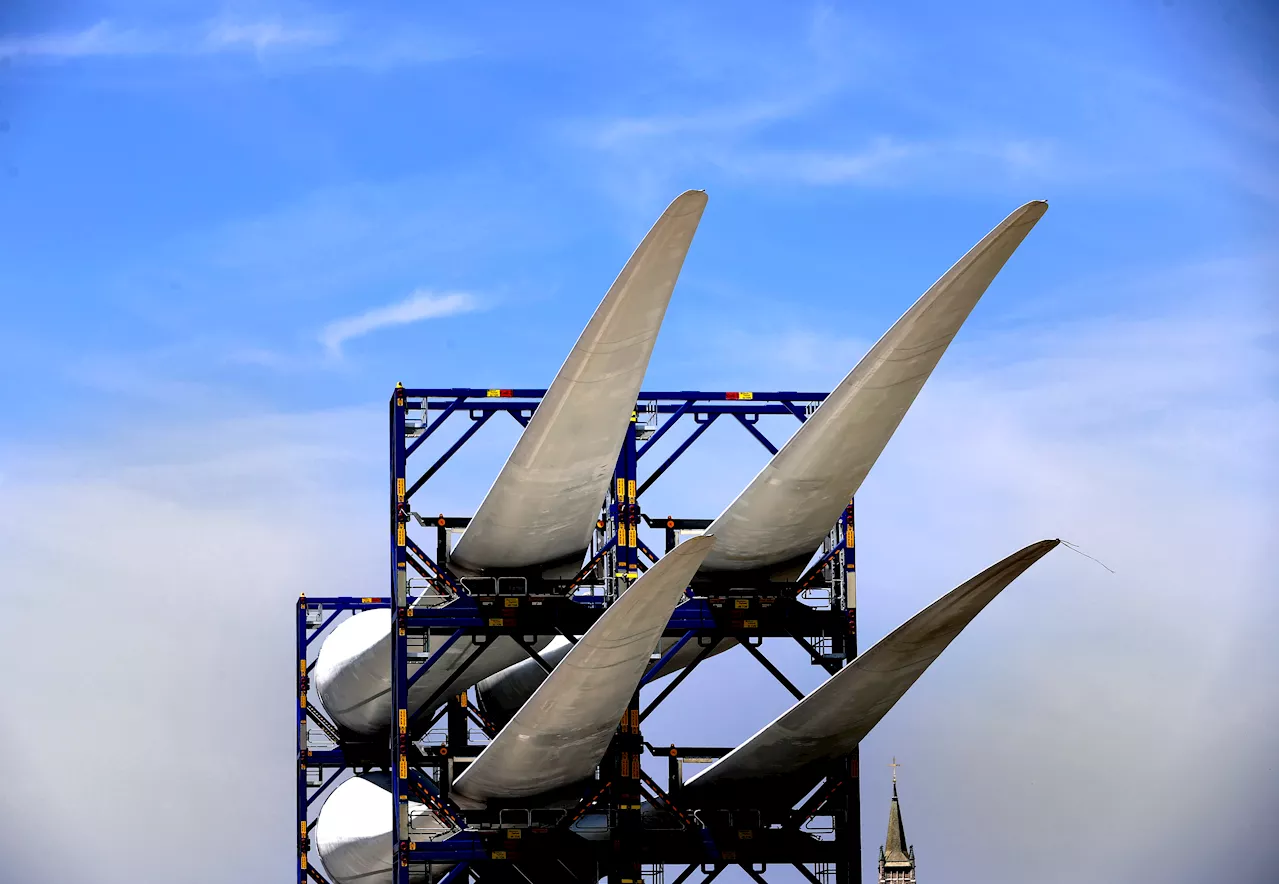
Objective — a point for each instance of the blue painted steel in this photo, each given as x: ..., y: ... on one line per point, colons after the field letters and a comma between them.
x: 798, y: 412
x: 631, y: 510
x: 346, y: 602
x: 491, y: 406
x: 457, y: 874
x: 742, y: 419
x: 399, y: 661
x: 644, y: 548
x: 666, y: 425
x: 326, y: 784
x: 433, y: 426
x: 675, y: 455
x: 457, y: 634
x: 595, y: 560
x: 441, y: 573
x: 693, y: 614
x: 818, y: 565
x: 653, y: 671
x: 643, y: 396
x: 462, y: 847
x: 300, y: 730
x: 315, y: 633
x: 444, y: 458
x: 462, y: 616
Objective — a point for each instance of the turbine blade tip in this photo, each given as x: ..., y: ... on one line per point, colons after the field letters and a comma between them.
x: 688, y: 202
x: 1034, y: 209
x: 695, y: 544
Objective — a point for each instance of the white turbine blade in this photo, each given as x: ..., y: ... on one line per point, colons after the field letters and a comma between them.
x: 502, y: 694
x: 543, y: 504
x: 784, y: 759
x: 560, y: 735
x: 353, y: 675
x: 353, y: 832
x: 782, y: 516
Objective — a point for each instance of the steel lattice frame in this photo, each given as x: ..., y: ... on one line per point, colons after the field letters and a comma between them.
x: 493, y: 844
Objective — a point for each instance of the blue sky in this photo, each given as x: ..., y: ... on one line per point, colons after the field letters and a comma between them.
x: 232, y: 228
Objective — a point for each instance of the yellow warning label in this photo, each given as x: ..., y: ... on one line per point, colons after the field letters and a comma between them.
x: 495, y: 621
x: 404, y: 720
x: 400, y: 535
x: 631, y: 490
x: 404, y: 767
x: 494, y: 394
x: 499, y: 854
x: 750, y: 624
x: 631, y: 540
x: 400, y: 488
x: 513, y: 834
x: 741, y: 603
x: 511, y: 603
x: 622, y: 488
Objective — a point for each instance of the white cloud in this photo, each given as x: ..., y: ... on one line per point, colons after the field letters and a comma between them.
x: 107, y: 39
x: 313, y: 42
x: 265, y: 34
x: 418, y: 306
x: 885, y: 160
x: 101, y: 39
x: 1081, y: 704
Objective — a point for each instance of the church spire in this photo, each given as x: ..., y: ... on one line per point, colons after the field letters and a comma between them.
x: 897, y: 860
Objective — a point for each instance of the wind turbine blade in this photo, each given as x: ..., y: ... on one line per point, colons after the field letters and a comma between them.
x: 785, y: 758
x: 502, y: 694
x: 353, y: 832
x: 782, y: 516
x: 559, y: 736
x: 546, y: 499
x: 353, y: 677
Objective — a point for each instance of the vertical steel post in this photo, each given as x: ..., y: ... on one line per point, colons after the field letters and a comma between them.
x: 399, y: 646
x: 615, y: 577
x: 624, y: 511
x: 303, y: 841
x: 626, y: 829
x: 852, y: 833
x: 628, y: 745
x: 633, y: 505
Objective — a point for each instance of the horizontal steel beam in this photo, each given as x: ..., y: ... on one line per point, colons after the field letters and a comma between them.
x: 643, y: 397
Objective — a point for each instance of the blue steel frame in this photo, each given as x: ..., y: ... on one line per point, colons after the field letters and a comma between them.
x: 617, y: 559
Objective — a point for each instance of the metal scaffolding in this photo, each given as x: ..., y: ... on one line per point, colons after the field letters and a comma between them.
x: 424, y: 752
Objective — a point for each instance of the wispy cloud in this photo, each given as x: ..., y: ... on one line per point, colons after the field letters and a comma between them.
x: 319, y: 41
x: 886, y: 161
x: 266, y: 34
x: 418, y: 306
x: 108, y: 39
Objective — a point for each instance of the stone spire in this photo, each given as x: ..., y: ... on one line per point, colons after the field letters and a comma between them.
x: 897, y: 859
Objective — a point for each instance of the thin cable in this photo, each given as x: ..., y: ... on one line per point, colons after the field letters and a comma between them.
x: 1071, y: 546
